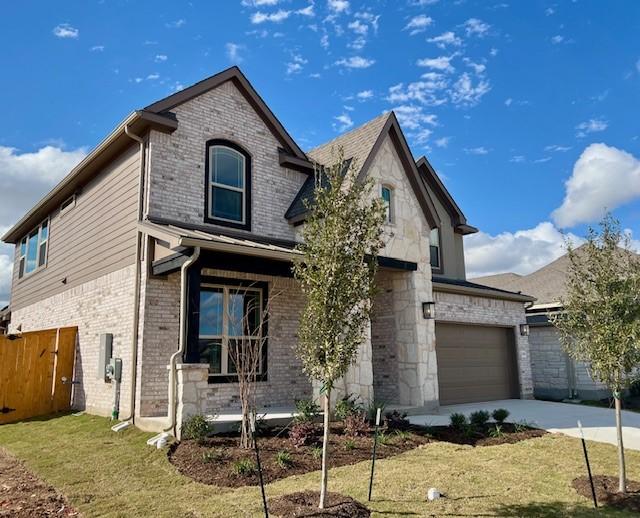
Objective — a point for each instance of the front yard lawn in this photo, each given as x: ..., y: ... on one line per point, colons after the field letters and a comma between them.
x: 107, y: 474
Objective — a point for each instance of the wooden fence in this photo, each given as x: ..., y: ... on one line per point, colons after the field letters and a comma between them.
x: 36, y: 369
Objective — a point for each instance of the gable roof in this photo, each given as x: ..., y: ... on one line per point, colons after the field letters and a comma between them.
x: 235, y: 75
x: 429, y: 175
x: 361, y: 145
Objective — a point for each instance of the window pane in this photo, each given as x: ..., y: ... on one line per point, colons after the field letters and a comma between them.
x: 244, y: 313
x: 228, y: 167
x: 226, y: 204
x: 434, y: 256
x: 42, y: 256
x: 21, y: 270
x: 243, y: 351
x: 32, y: 251
x: 211, y: 311
x: 44, y: 232
x: 386, y: 194
x: 210, y: 351
x: 23, y: 247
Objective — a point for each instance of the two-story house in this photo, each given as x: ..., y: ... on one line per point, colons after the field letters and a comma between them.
x: 150, y: 236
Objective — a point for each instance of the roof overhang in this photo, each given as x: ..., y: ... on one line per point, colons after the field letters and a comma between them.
x: 290, y: 161
x: 477, y: 291
x: 115, y: 143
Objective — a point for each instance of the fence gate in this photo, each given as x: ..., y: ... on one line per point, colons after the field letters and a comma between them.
x: 36, y: 370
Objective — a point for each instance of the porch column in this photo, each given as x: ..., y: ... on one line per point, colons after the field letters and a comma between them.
x: 415, y: 340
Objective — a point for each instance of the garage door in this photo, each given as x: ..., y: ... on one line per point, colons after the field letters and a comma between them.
x: 475, y: 363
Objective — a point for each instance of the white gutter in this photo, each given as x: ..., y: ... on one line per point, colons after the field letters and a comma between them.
x: 181, y: 340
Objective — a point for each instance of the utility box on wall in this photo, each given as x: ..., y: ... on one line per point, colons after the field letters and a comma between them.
x: 104, y: 355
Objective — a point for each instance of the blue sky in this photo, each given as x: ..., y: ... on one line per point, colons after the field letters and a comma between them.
x: 508, y: 100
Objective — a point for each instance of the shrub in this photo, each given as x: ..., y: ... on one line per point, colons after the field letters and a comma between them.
x: 346, y: 406
x: 306, y: 410
x: 213, y: 455
x: 384, y: 438
x: 356, y: 425
x: 499, y: 415
x: 522, y: 426
x: 372, y: 411
x: 479, y: 418
x: 496, y: 432
x: 283, y: 459
x: 316, y: 452
x: 349, y: 444
x: 458, y: 421
x: 244, y: 467
x: 397, y: 421
x: 402, y: 435
x: 196, y: 428
x: 302, y: 433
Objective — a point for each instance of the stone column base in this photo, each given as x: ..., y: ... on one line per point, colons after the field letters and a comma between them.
x: 191, y: 391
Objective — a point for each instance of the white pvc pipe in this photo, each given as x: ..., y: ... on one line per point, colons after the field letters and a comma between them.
x: 181, y: 340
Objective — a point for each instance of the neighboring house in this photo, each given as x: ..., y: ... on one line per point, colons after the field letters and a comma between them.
x: 195, y: 203
x: 555, y: 374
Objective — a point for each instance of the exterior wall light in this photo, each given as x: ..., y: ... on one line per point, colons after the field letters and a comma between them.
x: 429, y: 310
x: 524, y: 329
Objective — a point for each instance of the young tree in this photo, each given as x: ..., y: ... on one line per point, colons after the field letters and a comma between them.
x: 342, y: 237
x: 600, y: 323
x: 247, y: 319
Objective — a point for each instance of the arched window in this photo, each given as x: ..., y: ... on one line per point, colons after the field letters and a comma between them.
x: 228, y: 185
x: 387, y: 199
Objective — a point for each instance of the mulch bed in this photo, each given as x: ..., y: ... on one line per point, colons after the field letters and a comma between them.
x: 511, y: 434
x: 22, y: 494
x: 305, y: 503
x: 607, y: 492
x: 187, y: 456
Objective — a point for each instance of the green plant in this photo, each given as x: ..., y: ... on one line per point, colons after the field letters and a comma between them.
x: 306, y: 411
x: 284, y: 459
x: 355, y: 425
x: 244, y: 468
x: 349, y: 444
x: 196, y: 428
x: 403, y: 435
x: 384, y: 438
x: 213, y: 455
x: 458, y: 421
x: 522, y: 426
x: 500, y: 415
x: 316, y: 452
x: 396, y: 420
x: 346, y: 406
x: 479, y: 418
x: 496, y: 432
x: 302, y: 434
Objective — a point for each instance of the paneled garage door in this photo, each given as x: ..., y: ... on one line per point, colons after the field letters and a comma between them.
x: 475, y: 363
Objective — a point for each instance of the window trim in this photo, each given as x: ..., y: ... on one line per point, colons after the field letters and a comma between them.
x: 24, y: 274
x: 439, y: 268
x: 228, y: 284
x: 391, y: 220
x: 208, y: 185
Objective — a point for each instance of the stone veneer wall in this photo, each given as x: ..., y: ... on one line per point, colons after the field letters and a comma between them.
x: 466, y: 309
x: 103, y: 305
x: 555, y: 374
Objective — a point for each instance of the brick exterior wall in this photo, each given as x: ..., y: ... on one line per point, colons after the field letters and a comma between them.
x: 452, y: 307
x: 177, y: 162
x: 383, y: 342
x: 103, y: 305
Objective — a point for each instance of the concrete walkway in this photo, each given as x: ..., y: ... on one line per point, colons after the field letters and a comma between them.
x: 599, y: 424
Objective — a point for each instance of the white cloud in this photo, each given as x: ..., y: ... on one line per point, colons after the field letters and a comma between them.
x: 480, y: 150
x: 591, y: 126
x: 603, y: 178
x: 370, y: 18
x: 542, y: 160
x: 442, y: 63
x: 478, y: 68
x: 160, y: 58
x: 638, y: 66
x: 422, y: 3
x: 428, y: 92
x: 475, y: 27
x: 64, y: 30
x: 233, y: 51
x: 549, y: 11
x: 176, y: 24
x: 344, y: 122
x: 446, y: 38
x: 296, y: 64
x: 324, y: 41
x: 443, y: 142
x: 522, y: 252
x: 260, y: 3
x: 508, y: 102
x: 517, y: 159
x: 6, y: 268
x: 557, y: 39
x: 153, y: 77
x: 418, y: 24
x: 465, y: 93
x: 557, y: 148
x: 338, y: 6
x: 355, y: 62
x: 306, y: 11
x: 364, y: 95
x: 412, y: 117
x: 276, y: 17
x: 358, y: 27
x: 493, y: 52
x: 97, y: 48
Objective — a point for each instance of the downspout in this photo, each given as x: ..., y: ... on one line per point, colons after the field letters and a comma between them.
x: 171, y: 411
x: 136, y: 291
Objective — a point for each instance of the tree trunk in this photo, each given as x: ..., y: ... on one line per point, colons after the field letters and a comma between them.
x: 622, y: 471
x: 325, y: 448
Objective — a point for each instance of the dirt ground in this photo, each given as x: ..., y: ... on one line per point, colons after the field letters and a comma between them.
x: 607, y: 492
x: 22, y: 494
x: 305, y: 503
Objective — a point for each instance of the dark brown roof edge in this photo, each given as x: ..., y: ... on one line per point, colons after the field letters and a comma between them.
x: 464, y: 287
x: 251, y: 95
x: 114, y: 143
x: 429, y: 175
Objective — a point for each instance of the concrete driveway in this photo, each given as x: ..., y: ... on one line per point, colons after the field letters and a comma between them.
x: 598, y: 423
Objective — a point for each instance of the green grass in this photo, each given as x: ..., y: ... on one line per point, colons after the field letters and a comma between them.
x: 109, y: 474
